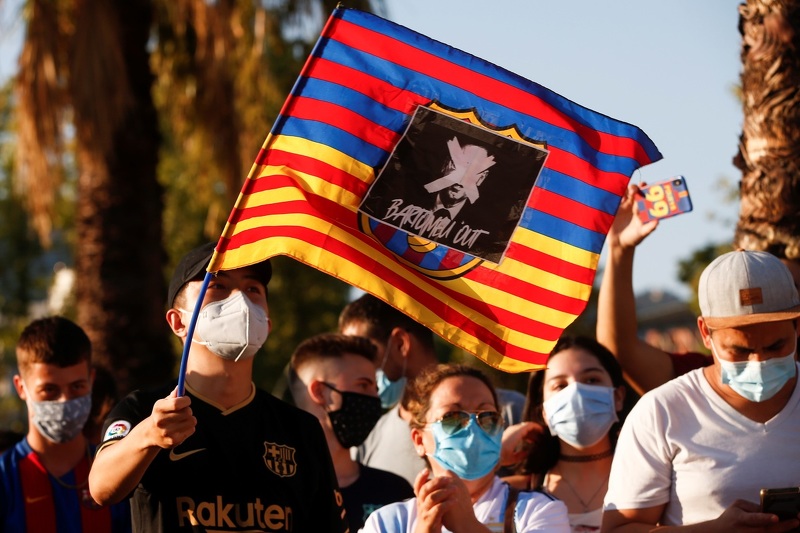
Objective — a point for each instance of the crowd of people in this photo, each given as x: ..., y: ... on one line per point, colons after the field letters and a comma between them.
x: 380, y: 436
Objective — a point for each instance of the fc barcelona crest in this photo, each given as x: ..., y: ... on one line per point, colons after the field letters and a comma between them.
x: 279, y: 459
x: 452, y: 193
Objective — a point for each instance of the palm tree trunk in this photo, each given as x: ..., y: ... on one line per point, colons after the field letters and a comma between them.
x: 769, y: 149
x: 120, y: 288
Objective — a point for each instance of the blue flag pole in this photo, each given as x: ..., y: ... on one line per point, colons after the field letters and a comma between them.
x: 188, y: 344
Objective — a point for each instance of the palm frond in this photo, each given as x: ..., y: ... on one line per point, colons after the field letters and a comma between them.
x: 40, y: 91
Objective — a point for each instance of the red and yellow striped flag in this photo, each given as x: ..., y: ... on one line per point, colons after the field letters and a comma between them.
x: 472, y: 199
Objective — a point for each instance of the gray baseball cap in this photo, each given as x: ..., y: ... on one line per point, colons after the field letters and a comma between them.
x: 744, y: 287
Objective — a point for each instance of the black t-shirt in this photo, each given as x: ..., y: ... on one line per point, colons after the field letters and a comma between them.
x: 262, y: 465
x: 372, y: 490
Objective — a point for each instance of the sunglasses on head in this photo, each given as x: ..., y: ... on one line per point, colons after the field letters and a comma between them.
x: 454, y: 421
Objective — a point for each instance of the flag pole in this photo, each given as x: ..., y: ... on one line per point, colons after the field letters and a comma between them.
x: 188, y: 343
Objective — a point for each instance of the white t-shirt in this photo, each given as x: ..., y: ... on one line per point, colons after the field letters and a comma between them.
x: 682, y: 445
x: 535, y: 511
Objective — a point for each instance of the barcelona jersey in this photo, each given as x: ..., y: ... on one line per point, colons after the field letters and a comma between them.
x: 32, y: 500
x: 262, y: 465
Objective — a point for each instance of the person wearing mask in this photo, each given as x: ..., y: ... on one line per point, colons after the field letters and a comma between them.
x: 44, y: 477
x: 225, y: 456
x: 405, y: 349
x: 694, y: 453
x: 578, y: 398
x: 457, y: 429
x: 332, y: 376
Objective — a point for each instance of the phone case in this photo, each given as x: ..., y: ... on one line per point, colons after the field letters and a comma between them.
x: 664, y: 199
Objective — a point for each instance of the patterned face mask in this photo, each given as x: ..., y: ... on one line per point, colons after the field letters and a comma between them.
x: 354, y: 420
x: 61, y: 421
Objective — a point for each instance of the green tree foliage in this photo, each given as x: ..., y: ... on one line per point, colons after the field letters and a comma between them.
x: 135, y: 125
x: 223, y: 71
x: 19, y: 283
x: 302, y: 302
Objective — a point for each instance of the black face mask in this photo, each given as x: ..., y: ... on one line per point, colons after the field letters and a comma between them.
x: 356, y: 418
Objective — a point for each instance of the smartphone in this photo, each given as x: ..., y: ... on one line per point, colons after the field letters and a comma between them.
x: 664, y: 199
x: 783, y: 502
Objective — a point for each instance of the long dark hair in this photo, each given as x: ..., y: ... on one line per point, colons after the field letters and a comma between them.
x: 546, y: 449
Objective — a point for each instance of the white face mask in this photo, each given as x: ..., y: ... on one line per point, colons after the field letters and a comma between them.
x: 233, y: 328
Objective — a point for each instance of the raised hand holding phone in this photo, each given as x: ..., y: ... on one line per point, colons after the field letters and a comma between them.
x: 663, y: 199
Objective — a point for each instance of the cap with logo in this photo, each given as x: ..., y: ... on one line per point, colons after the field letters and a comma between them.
x: 745, y: 287
x: 193, y: 265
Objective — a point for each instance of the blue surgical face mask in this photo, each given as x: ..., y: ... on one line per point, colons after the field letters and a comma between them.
x: 757, y: 381
x: 581, y: 414
x: 390, y: 391
x: 470, y: 453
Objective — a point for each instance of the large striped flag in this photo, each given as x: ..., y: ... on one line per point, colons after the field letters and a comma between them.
x: 472, y: 199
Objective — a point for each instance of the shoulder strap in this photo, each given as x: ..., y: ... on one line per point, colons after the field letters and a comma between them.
x: 509, y: 525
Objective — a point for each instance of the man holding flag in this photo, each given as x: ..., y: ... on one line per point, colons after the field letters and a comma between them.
x: 225, y: 455
x: 370, y: 90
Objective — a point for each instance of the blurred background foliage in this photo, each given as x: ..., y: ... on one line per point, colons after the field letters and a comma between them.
x: 217, y: 75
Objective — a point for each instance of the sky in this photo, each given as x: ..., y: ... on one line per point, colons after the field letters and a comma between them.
x: 669, y: 68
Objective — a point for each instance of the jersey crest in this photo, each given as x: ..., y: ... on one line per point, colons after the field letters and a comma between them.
x: 452, y: 192
x: 279, y: 459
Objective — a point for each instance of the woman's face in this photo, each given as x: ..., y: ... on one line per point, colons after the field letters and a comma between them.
x: 457, y: 393
x: 588, y: 429
x: 574, y: 365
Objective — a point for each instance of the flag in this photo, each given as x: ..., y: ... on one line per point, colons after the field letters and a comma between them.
x: 472, y: 199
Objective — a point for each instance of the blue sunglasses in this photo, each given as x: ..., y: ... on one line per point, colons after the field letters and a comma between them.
x: 454, y: 421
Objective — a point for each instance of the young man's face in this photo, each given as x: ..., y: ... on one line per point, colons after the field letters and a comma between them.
x: 390, y: 358
x: 358, y: 328
x: 757, y: 342
x: 45, y: 382
x: 349, y: 373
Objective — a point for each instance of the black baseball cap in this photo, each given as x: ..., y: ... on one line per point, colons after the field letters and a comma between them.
x: 193, y: 265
